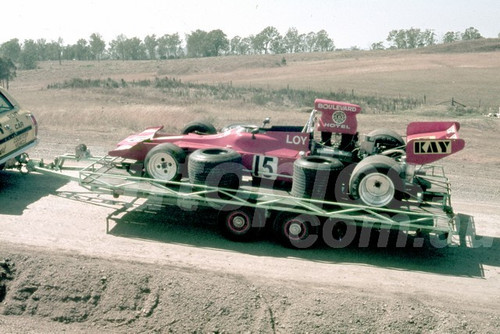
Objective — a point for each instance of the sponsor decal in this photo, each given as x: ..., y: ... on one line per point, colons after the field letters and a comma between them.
x: 336, y: 107
x: 339, y: 117
x: 296, y: 140
x: 432, y: 147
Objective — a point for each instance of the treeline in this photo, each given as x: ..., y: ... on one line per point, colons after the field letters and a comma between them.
x: 197, y: 44
x: 201, y: 44
x: 416, y: 38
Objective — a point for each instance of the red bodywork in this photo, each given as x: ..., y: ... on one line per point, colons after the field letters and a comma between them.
x: 276, y: 148
x: 269, y: 152
x: 427, y: 142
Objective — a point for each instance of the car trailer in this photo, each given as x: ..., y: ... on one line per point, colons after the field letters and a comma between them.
x: 248, y: 210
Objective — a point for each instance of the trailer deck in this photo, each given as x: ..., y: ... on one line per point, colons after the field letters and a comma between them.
x: 107, y: 175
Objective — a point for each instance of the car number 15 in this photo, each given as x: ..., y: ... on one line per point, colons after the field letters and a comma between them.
x: 265, y: 167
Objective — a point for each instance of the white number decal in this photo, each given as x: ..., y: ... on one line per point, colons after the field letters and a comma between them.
x: 265, y: 167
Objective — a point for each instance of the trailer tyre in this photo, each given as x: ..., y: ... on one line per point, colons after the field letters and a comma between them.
x: 315, y: 177
x: 164, y: 162
x: 203, y: 128
x: 215, y: 167
x: 377, y: 181
x: 298, y: 231
x: 241, y: 224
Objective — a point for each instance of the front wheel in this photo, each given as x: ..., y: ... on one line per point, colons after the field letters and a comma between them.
x: 203, y: 128
x: 164, y: 162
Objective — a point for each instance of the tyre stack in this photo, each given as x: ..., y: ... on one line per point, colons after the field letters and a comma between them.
x: 315, y: 177
x: 215, y: 167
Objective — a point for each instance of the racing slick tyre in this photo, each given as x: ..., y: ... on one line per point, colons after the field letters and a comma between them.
x: 215, y: 167
x: 202, y: 128
x: 295, y: 230
x: 381, y: 140
x: 315, y: 177
x: 241, y: 224
x: 165, y: 162
x: 378, y: 181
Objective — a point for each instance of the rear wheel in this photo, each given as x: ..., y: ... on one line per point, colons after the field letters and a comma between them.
x: 164, y: 162
x: 377, y: 181
x: 381, y: 140
x: 203, y: 128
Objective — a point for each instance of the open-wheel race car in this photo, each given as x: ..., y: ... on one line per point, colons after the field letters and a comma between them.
x: 324, y: 159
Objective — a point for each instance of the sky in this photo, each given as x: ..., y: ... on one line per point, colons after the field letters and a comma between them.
x: 348, y: 22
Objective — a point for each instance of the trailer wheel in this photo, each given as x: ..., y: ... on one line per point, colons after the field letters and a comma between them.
x: 164, y: 162
x: 296, y: 230
x: 377, y: 181
x: 315, y: 177
x: 216, y: 167
x: 203, y: 128
x: 241, y: 224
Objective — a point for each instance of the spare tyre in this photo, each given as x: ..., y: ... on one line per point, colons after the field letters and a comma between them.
x: 215, y: 167
x: 315, y: 177
x: 199, y: 127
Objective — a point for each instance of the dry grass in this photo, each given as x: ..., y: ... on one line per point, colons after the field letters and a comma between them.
x: 471, y: 78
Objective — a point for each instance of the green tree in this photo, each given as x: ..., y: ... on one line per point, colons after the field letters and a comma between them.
x: 29, y: 55
x: 117, y: 47
x: 82, y: 49
x: 265, y: 39
x: 470, y: 34
x: 97, y: 46
x: 291, y: 40
x: 151, y: 43
x: 169, y: 46
x: 216, y: 42
x: 324, y: 42
x: 7, y: 71
x: 451, y: 37
x: 377, y: 46
x: 11, y: 49
x: 195, y: 43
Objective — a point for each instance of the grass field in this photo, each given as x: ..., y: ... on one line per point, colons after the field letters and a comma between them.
x: 235, y: 89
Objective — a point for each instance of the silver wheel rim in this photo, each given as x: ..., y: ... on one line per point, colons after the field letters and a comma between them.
x: 162, y: 166
x: 238, y: 222
x: 376, y: 190
x: 295, y: 229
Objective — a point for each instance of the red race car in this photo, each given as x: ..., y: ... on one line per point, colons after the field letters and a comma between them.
x: 375, y: 169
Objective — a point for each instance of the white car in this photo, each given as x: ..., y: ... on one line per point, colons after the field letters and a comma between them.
x: 18, y: 129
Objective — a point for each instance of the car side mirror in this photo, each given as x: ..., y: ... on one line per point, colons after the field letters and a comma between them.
x: 266, y: 121
x: 254, y: 132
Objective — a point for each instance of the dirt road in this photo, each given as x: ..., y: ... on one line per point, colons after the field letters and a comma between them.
x: 156, y: 269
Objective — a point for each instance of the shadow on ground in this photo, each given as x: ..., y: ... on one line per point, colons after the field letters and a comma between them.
x: 18, y: 190
x: 172, y: 224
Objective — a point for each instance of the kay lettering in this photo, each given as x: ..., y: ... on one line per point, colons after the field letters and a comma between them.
x: 432, y: 147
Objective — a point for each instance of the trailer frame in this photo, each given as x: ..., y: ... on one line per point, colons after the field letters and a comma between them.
x: 109, y: 175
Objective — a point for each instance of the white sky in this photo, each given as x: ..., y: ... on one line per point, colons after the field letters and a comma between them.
x: 348, y: 22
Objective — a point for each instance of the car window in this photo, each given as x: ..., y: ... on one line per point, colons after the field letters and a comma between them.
x: 5, y: 105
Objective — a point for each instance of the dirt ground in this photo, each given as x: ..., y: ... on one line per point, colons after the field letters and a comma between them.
x: 160, y: 270
x: 77, y: 262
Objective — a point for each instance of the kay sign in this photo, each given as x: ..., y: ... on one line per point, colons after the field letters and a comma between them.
x: 337, y: 117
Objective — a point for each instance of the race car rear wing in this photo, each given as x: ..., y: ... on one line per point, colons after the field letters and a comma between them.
x: 427, y: 142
